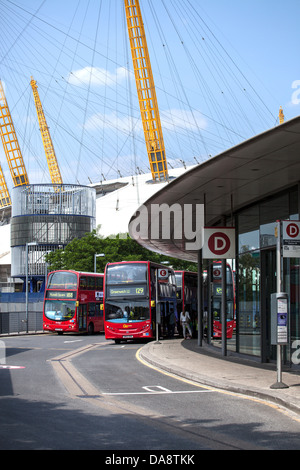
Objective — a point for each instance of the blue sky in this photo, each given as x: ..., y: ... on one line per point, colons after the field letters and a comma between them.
x: 222, y: 69
x: 265, y: 35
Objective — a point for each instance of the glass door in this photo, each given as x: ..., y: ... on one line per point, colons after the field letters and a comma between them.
x: 249, y: 312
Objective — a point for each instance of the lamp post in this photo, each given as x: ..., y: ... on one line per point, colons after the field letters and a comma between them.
x: 97, y: 255
x: 26, y: 287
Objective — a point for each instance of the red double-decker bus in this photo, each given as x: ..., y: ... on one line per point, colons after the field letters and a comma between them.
x: 73, y: 302
x: 217, y: 300
x: 138, y: 295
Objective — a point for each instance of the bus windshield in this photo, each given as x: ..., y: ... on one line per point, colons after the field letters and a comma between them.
x: 217, y: 305
x: 120, y: 311
x: 62, y: 280
x: 59, y: 310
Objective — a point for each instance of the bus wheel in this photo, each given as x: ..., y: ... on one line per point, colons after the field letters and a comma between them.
x: 91, y: 329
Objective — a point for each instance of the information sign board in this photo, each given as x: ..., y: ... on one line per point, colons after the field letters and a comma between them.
x: 290, y: 239
x: 219, y: 243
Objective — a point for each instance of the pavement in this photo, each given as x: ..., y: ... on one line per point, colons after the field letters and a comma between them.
x: 207, y: 366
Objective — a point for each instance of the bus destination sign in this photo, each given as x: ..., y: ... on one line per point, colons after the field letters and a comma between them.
x: 121, y: 291
x: 56, y: 294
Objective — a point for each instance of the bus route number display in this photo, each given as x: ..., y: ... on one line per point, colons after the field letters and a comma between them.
x: 120, y: 291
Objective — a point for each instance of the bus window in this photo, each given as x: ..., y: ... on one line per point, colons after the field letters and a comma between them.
x: 62, y: 280
x: 91, y: 309
x: 91, y: 283
x: 98, y: 311
x: 124, y: 274
x: 99, y: 283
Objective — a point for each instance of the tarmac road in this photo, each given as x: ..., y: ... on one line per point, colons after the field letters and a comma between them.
x: 83, y: 392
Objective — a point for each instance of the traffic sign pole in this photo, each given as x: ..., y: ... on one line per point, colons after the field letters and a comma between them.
x: 279, y: 384
x: 224, y: 308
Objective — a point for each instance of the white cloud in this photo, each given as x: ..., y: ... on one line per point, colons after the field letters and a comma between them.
x: 171, y: 120
x: 97, y: 76
x: 112, y: 121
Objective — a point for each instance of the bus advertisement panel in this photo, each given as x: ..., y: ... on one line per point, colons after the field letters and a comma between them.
x: 73, y: 302
x: 133, y: 304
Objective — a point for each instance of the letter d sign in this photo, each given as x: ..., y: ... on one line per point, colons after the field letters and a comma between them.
x: 219, y: 243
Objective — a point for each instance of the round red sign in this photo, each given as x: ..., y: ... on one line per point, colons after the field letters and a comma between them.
x: 292, y: 230
x: 219, y: 243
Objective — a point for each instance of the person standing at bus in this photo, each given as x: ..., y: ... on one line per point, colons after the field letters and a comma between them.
x: 185, y: 323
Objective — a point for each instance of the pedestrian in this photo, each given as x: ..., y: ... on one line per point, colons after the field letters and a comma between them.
x: 171, y: 325
x: 185, y: 323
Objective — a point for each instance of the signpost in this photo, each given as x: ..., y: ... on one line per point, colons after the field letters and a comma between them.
x: 288, y: 246
x: 28, y: 244
x: 219, y: 243
x: 290, y: 239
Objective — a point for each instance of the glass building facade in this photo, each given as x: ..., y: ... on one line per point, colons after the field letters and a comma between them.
x: 256, y: 275
x: 51, y: 216
x: 250, y: 187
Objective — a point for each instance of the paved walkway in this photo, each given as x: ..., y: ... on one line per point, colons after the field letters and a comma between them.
x: 207, y: 366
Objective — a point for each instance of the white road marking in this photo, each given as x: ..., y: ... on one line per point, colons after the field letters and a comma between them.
x: 73, y: 341
x: 12, y: 367
x: 150, y: 387
x: 160, y: 391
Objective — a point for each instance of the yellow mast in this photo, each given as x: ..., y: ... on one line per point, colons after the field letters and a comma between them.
x: 4, y: 194
x: 11, y: 144
x: 47, y: 141
x: 146, y: 91
x: 281, y: 116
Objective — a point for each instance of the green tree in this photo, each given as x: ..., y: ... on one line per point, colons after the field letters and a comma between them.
x: 79, y: 254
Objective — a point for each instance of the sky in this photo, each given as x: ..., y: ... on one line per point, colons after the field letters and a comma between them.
x: 221, y: 69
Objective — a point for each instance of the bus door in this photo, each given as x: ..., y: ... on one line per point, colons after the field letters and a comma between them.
x: 95, y: 315
x: 82, y: 317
